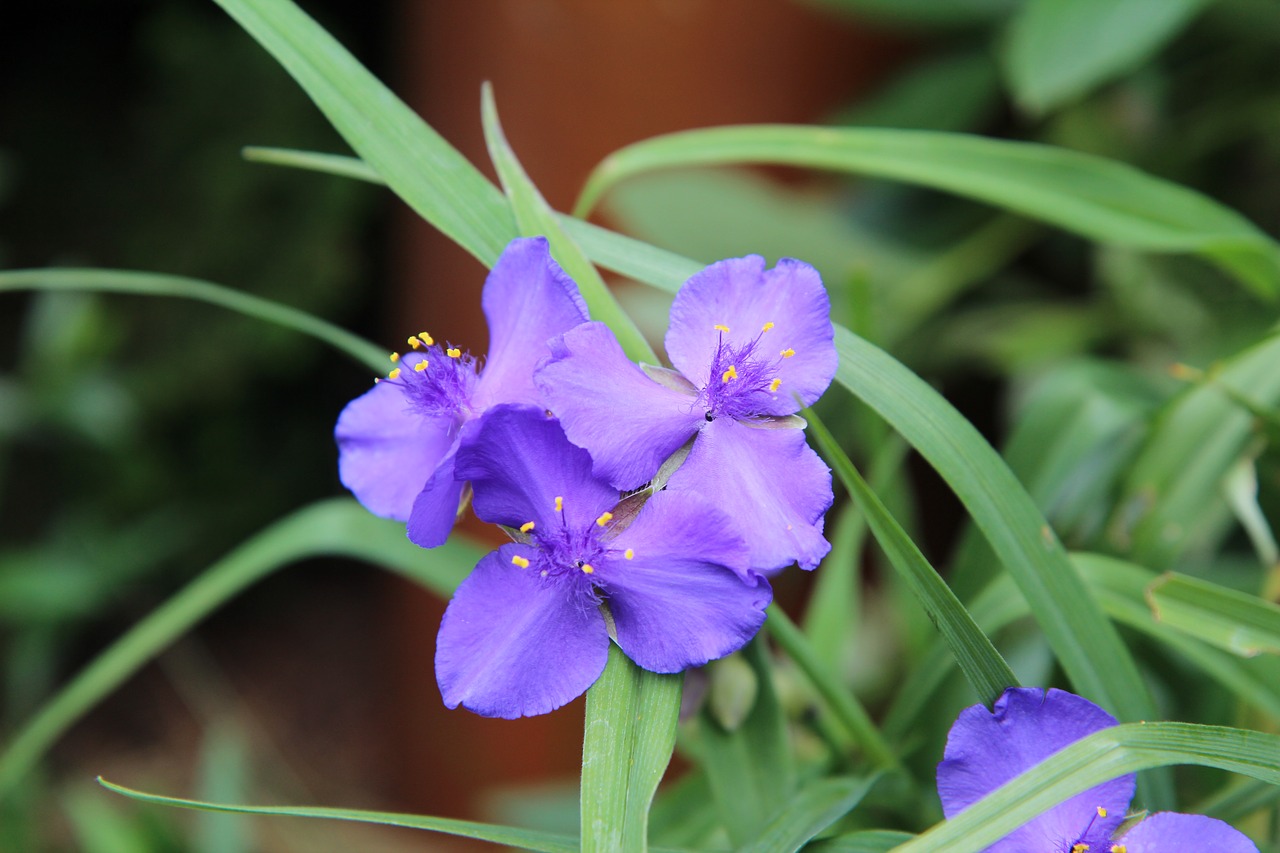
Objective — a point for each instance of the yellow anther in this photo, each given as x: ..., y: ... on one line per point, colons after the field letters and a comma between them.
x: 420, y: 366
x: 526, y: 527
x: 522, y: 562
x: 1119, y: 848
x: 426, y: 338
x: 587, y: 568
x: 731, y: 373
x: 559, y: 504
x: 395, y: 374
x: 720, y: 327
x: 603, y: 519
x: 1079, y: 848
x: 413, y: 342
x: 395, y: 356
x: 788, y: 352
x: 773, y: 386
x: 767, y: 326
x: 1102, y: 812
x: 628, y: 554
x: 453, y: 352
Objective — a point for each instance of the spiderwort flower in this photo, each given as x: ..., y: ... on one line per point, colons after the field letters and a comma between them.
x: 985, y: 749
x: 396, y: 442
x: 529, y: 628
x: 750, y: 347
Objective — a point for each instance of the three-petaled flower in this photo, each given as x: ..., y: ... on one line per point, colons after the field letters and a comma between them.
x: 751, y: 347
x: 396, y: 442
x: 986, y: 749
x: 529, y: 628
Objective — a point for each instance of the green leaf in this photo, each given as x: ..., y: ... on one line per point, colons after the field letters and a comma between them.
x: 629, y: 734
x: 1100, y: 199
x: 817, y: 805
x: 978, y: 659
x: 534, y: 216
x: 1058, y: 50
x: 154, y: 284
x: 867, y: 841
x: 931, y: 13
x: 415, y: 161
x: 1242, y: 624
x: 338, y: 527
x: 1093, y: 760
x: 525, y: 839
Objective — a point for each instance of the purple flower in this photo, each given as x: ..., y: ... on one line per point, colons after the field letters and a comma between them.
x: 750, y: 347
x: 985, y: 749
x: 529, y: 628
x: 396, y: 443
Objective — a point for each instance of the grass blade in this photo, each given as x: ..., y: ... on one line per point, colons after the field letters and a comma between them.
x: 1240, y: 623
x: 813, y: 809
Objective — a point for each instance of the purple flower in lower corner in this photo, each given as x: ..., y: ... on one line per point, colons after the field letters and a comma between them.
x: 529, y: 629
x: 750, y: 347
x: 396, y: 442
x: 985, y: 749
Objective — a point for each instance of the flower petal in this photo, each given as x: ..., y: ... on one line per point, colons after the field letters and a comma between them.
x: 512, y: 645
x: 771, y: 485
x: 519, y: 462
x: 386, y: 451
x: 679, y: 602
x: 436, y: 508
x: 1169, y: 832
x: 527, y: 300
x: 629, y: 423
x: 741, y: 295
x: 985, y: 749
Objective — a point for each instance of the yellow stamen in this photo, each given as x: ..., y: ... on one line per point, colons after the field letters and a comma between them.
x: 720, y: 327
x: 788, y: 352
x: 522, y: 562
x: 628, y: 554
x: 587, y: 568
x: 426, y: 338
x: 731, y: 373
x: 420, y: 366
x: 413, y: 342
x: 1119, y: 848
x: 395, y: 374
x: 526, y: 527
x: 773, y: 386
x: 453, y: 352
x: 559, y: 504
x: 1102, y: 812
x: 603, y: 519
x: 395, y: 356
x: 767, y: 326
x: 1079, y: 848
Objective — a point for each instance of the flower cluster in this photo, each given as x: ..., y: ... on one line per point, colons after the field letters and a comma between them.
x: 986, y: 749
x: 647, y: 505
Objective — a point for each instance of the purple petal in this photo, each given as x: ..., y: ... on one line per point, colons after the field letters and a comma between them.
x: 527, y: 300
x: 386, y: 451
x: 511, y: 645
x: 680, y: 602
x: 743, y: 296
x: 985, y: 749
x: 519, y: 462
x: 1170, y: 832
x: 771, y: 485
x: 436, y: 508
x: 629, y: 423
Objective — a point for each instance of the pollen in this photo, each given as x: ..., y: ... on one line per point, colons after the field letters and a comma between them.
x: 1119, y: 848
x: 413, y: 342
x: 426, y: 338
x: 773, y: 386
x: 453, y: 352
x: 559, y: 504
x: 628, y: 554
x: 1079, y: 848
x: 731, y: 373
x: 526, y: 527
x: 522, y: 562
x: 1102, y: 812
x: 587, y: 568
x: 395, y: 356
x: 767, y: 326
x: 788, y: 352
x: 720, y: 327
x: 395, y: 374
x: 603, y: 519
x: 420, y: 366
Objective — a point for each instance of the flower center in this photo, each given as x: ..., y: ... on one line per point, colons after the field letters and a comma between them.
x: 569, y: 556
x: 742, y: 377
x: 436, y: 381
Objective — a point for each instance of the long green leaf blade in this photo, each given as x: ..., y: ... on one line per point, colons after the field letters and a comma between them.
x: 338, y: 527
x: 1240, y: 623
x: 1100, y: 199
x: 155, y: 284
x: 526, y: 839
x: 813, y: 809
